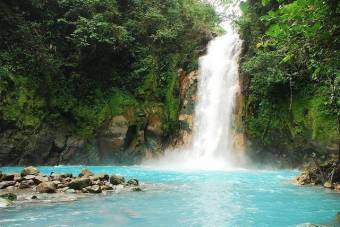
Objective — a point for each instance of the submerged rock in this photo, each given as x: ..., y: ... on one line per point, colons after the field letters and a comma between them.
x: 5, y: 202
x: 30, y: 170
x: 34, y: 197
x: 337, y: 218
x: 10, y: 196
x: 133, y: 182
x: 137, y: 189
x: 116, y: 180
x: 47, y: 187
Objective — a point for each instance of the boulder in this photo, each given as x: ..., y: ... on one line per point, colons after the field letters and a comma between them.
x: 107, y: 186
x: 11, y: 188
x: 30, y: 170
x: 137, y: 189
x: 39, y: 179
x: 337, y: 187
x: 5, y: 184
x: 115, y: 180
x: 29, y: 177
x: 60, y: 176
x: 85, y: 173
x: 79, y: 183
x: 7, y: 177
x: 133, y: 182
x: 34, y: 197
x: 337, y: 217
x: 46, y: 187
x: 94, y: 189
x: 10, y: 196
x: 5, y: 202
x: 70, y: 190
x: 103, y: 177
x: 26, y: 184
x: 328, y: 184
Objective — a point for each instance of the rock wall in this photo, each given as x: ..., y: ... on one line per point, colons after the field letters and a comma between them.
x: 188, y: 90
x: 122, y: 139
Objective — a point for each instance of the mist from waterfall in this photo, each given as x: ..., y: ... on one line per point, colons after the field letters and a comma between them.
x: 212, y: 145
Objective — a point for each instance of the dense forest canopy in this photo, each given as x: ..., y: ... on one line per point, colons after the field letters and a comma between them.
x: 292, y: 70
x: 85, y: 60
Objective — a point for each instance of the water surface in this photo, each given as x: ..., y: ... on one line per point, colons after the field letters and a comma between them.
x: 191, y: 198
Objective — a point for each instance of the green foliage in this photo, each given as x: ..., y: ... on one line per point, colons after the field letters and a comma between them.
x: 291, y: 60
x: 87, y: 60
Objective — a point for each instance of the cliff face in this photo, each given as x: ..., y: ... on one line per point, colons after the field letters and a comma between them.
x: 122, y: 139
x: 188, y: 90
x: 128, y: 138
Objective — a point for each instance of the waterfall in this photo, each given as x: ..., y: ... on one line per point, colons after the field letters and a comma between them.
x: 212, y: 146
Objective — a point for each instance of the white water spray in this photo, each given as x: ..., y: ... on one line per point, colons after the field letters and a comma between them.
x: 212, y: 146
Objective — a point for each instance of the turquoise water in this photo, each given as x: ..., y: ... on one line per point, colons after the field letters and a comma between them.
x: 197, y: 198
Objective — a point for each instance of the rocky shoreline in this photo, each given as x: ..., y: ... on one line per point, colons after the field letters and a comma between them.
x: 326, y: 175
x: 32, y: 186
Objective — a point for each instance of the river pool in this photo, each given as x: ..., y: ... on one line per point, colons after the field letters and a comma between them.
x: 185, y: 198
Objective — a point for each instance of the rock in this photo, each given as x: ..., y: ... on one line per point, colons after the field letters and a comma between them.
x: 29, y: 177
x: 5, y: 184
x: 137, y: 189
x: 70, y: 191
x: 115, y: 180
x: 7, y: 177
x: 11, y: 188
x: 112, y: 136
x: 39, y: 179
x: 107, y: 186
x: 302, y: 180
x: 74, y: 145
x: 103, y: 177
x: 85, y: 173
x: 328, y: 185
x: 46, y: 187
x: 79, y: 183
x: 9, y: 196
x: 61, y: 176
x: 337, y: 217
x: 155, y: 124
x: 63, y: 189
x: 337, y: 187
x: 34, y: 197
x: 26, y: 184
x: 94, y: 189
x: 30, y: 170
x: 5, y: 202
x: 133, y: 182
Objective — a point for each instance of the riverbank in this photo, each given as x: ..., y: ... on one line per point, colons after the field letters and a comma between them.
x: 32, y: 186
x: 326, y: 175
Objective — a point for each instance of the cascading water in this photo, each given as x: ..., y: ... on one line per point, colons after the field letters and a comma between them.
x: 212, y: 146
